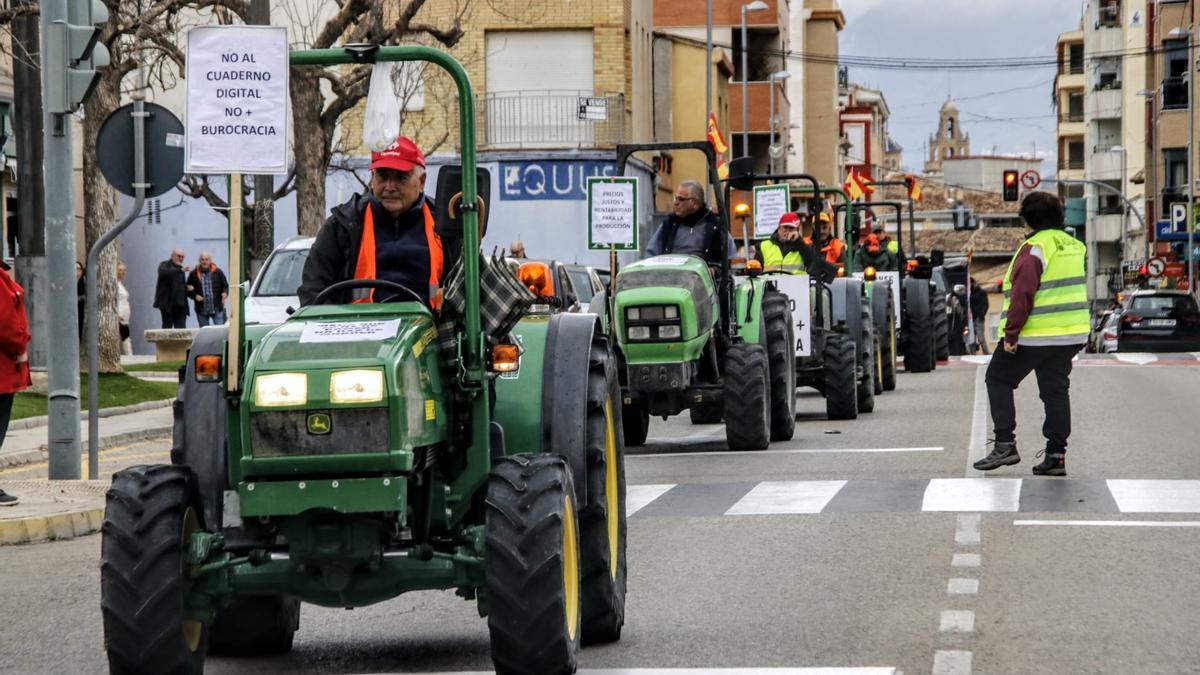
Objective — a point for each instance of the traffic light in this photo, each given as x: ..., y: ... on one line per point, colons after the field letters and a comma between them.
x: 73, y: 53
x: 1012, y: 185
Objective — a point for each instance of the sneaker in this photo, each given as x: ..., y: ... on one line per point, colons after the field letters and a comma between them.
x: 1002, y: 454
x: 1054, y: 464
x: 8, y: 500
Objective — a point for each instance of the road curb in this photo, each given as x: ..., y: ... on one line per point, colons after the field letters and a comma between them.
x: 34, y: 529
x: 31, y: 455
x: 43, y: 420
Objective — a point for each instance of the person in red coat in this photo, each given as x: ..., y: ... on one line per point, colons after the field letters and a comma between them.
x: 14, y: 354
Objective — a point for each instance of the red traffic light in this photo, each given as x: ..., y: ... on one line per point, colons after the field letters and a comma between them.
x: 1011, y: 187
x: 1010, y: 177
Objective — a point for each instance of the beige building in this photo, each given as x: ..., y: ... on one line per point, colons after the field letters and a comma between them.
x: 949, y: 141
x: 820, y: 153
x: 864, y: 115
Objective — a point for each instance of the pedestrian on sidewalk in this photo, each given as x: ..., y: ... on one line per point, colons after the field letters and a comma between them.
x: 209, y: 288
x: 979, y: 310
x: 123, y: 309
x: 170, y: 293
x: 80, y: 295
x: 14, y: 354
x: 1044, y: 322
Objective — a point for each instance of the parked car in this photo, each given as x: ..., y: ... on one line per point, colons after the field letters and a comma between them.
x: 1103, y: 339
x: 587, y: 282
x: 275, y: 286
x: 1159, y: 321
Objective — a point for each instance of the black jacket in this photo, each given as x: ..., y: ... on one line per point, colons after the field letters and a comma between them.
x: 169, y: 291
x: 714, y: 243
x: 979, y: 302
x: 220, y: 286
x: 334, y: 254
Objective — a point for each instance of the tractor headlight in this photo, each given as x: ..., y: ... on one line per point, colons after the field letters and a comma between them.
x: 638, y: 332
x: 280, y: 389
x: 671, y: 312
x: 633, y: 314
x: 356, y: 386
x: 669, y: 331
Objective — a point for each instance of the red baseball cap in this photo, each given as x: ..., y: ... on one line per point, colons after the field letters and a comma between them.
x: 789, y: 219
x: 402, y: 155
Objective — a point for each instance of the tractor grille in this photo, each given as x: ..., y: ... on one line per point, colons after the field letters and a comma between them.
x: 285, y: 433
x: 689, y: 281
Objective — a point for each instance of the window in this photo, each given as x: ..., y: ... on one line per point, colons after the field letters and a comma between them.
x: 1074, y: 106
x: 1110, y: 13
x: 1108, y: 202
x: 950, y: 127
x: 1164, y: 303
x: 1175, y: 162
x: 1075, y: 59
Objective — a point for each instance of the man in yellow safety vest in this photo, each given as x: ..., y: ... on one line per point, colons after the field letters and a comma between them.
x: 1044, y: 322
x: 786, y: 250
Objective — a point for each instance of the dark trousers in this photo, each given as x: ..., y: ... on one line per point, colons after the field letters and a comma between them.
x: 174, y: 317
x: 6, y: 403
x: 1052, y: 366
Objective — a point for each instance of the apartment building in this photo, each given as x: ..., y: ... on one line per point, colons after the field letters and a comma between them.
x: 863, y: 122
x: 818, y: 116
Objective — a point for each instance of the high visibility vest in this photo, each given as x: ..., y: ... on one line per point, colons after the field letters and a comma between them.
x: 893, y: 246
x: 1060, y: 306
x: 775, y: 261
x: 364, y: 267
x: 833, y: 251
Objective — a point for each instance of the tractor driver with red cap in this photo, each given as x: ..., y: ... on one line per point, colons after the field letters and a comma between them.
x: 787, y: 250
x: 387, y: 234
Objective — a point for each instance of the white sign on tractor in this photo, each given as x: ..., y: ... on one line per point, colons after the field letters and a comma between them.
x: 796, y: 288
x: 237, y: 100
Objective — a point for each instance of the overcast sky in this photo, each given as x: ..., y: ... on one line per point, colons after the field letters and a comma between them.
x: 963, y: 29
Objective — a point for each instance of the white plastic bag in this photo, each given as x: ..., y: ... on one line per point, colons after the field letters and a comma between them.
x: 381, y: 124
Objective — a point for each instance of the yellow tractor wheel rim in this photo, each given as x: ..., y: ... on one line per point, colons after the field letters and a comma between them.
x: 192, y: 630
x: 570, y: 568
x: 611, y: 487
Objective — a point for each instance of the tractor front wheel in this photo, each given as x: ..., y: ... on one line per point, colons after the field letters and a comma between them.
x: 781, y: 364
x: 866, y: 386
x: 149, y: 517
x: 747, y: 398
x: 532, y: 566
x: 841, y: 395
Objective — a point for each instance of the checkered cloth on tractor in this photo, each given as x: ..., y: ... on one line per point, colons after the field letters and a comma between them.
x: 503, y: 300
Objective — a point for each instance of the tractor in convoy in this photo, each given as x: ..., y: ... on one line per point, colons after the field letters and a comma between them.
x: 358, y: 452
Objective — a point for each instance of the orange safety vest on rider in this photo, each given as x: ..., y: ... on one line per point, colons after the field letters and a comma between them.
x: 365, y: 267
x: 833, y: 250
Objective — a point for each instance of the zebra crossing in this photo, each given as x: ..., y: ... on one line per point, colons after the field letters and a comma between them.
x: 938, y: 495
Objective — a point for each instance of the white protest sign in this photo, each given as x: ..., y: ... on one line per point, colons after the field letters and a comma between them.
x: 612, y: 213
x: 350, y: 331
x: 795, y: 287
x: 237, y: 100
x: 770, y: 202
x: 892, y: 278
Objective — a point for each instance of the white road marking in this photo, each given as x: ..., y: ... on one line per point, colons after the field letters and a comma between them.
x: 967, y: 531
x: 962, y: 587
x: 978, y: 358
x: 1112, y: 523
x: 797, y: 451
x: 708, y: 671
x: 952, y: 662
x: 638, y: 496
x: 705, y: 432
x: 979, y: 425
x: 965, y: 560
x: 787, y: 497
x: 1137, y: 359
x: 957, y: 621
x: 1156, y: 496
x: 972, y: 494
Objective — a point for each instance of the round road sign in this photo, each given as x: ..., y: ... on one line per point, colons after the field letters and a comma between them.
x: 1156, y: 267
x: 1031, y: 179
x: 163, y: 150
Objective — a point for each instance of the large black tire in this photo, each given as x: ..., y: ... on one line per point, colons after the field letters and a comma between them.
x: 781, y: 364
x: 150, y: 514
x: 747, y: 398
x: 941, y: 326
x: 841, y: 380
x: 255, y: 626
x: 888, y: 352
x: 602, y: 521
x: 919, y: 338
x: 532, y: 566
x: 707, y: 413
x: 635, y: 423
x: 884, y: 311
x: 866, y: 384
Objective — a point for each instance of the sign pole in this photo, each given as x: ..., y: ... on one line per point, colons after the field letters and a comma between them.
x: 233, y: 368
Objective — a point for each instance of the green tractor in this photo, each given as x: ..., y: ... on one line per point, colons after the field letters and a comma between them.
x: 351, y: 454
x: 840, y: 357
x: 692, y: 337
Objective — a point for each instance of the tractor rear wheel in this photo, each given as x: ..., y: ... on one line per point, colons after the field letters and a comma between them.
x: 259, y: 625
x: 841, y: 395
x: 866, y: 386
x: 888, y: 347
x: 747, y: 398
x: 532, y: 566
x: 781, y: 364
x: 941, y: 326
x: 635, y: 423
x: 706, y: 413
x: 150, y: 515
x: 919, y: 348
x: 602, y: 521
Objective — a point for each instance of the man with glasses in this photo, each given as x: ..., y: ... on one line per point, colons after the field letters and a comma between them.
x: 388, y: 234
x: 691, y: 228
x: 170, y: 292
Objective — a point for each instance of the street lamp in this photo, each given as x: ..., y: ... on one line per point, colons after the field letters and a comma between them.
x: 772, y: 79
x: 1190, y: 223
x: 756, y: 6
x: 1125, y: 212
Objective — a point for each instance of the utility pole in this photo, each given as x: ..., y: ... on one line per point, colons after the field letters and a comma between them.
x: 1191, y: 160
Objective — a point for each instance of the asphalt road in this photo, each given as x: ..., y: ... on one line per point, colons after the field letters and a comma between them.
x: 864, y: 544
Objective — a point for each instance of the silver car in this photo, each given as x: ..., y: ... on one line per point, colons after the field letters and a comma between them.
x: 276, y: 284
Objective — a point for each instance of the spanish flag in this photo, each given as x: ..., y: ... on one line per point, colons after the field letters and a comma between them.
x: 722, y: 168
x: 852, y: 186
x: 865, y: 183
x: 714, y: 135
x: 914, y: 188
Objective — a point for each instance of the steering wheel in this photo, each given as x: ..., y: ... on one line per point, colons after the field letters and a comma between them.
x: 354, y: 284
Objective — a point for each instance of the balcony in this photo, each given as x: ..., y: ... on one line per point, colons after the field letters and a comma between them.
x: 1070, y: 116
x: 1108, y: 227
x: 1104, y: 164
x: 1174, y: 93
x: 1065, y: 164
x: 1105, y: 104
x: 547, y: 119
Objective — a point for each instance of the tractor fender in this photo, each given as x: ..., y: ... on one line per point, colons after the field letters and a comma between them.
x: 198, y: 440
x: 847, y: 308
x: 749, y: 311
x: 564, y: 392
x: 598, y: 305
x: 881, y: 300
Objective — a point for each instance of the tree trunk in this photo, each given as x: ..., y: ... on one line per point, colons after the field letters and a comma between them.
x: 100, y: 214
x: 312, y: 150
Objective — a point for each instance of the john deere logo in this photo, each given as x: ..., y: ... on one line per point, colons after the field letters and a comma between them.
x: 319, y: 423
